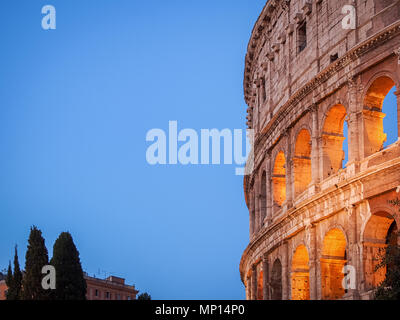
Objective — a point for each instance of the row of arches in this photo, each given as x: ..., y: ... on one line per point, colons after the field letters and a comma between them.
x: 333, y: 145
x: 380, y: 231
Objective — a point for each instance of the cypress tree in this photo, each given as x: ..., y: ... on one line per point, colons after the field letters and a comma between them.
x: 17, y: 277
x: 36, y: 258
x: 9, y: 283
x: 389, y: 289
x: 70, y: 282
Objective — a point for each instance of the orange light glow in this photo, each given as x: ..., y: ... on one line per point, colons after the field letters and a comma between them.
x: 300, y: 274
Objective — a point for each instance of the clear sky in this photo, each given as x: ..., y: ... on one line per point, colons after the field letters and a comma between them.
x: 75, y: 106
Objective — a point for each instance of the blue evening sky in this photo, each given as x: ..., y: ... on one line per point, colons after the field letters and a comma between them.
x: 75, y: 106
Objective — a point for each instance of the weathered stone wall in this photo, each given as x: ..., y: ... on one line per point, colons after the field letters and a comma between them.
x: 305, y: 77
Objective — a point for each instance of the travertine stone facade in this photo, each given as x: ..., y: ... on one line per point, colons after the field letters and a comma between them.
x: 311, y: 215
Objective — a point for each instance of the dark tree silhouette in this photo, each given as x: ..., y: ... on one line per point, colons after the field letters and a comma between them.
x: 36, y: 258
x: 70, y: 282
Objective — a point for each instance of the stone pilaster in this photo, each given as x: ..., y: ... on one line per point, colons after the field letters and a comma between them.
x: 269, y: 197
x: 248, y: 288
x: 353, y: 255
x: 252, y: 216
x: 353, y: 122
x: 312, y: 244
x: 316, y: 252
x: 285, y: 271
x: 266, y: 288
x: 289, y: 170
x: 363, y: 212
x: 254, y: 283
x: 257, y: 205
x: 259, y: 103
x: 314, y: 146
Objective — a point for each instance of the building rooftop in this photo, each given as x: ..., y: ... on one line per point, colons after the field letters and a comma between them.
x: 111, y: 280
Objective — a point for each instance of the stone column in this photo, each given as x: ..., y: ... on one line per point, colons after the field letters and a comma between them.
x: 353, y: 256
x: 315, y: 146
x: 251, y: 209
x: 248, y: 288
x: 311, y: 240
x: 266, y: 289
x: 397, y: 93
x: 269, y: 196
x: 254, y: 283
x: 353, y: 123
x: 364, y: 211
x: 320, y: 143
x: 254, y: 106
x: 285, y: 271
x: 259, y: 103
x: 318, y: 273
x: 257, y: 206
x: 289, y: 169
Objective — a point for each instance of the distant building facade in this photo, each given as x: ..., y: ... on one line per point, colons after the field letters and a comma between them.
x: 3, y: 287
x: 112, y: 288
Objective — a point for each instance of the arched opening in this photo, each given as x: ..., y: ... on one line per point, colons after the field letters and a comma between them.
x: 334, y: 151
x: 300, y: 274
x: 279, y: 180
x: 260, y: 286
x: 263, y: 197
x: 334, y: 258
x: 276, y: 280
x: 379, y: 102
x: 389, y: 122
x: 381, y: 231
x: 346, y: 142
x: 302, y: 162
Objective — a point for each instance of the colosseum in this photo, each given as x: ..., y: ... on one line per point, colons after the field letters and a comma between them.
x: 316, y: 77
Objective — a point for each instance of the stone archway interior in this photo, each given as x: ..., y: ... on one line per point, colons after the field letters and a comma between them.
x: 333, y: 259
x: 332, y: 140
x: 276, y: 281
x: 279, y: 179
x: 302, y: 162
x: 300, y: 274
x: 380, y: 231
x: 374, y: 136
x: 260, y: 286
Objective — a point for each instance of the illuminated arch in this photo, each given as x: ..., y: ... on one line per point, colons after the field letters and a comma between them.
x: 380, y: 231
x: 332, y: 140
x: 302, y: 162
x: 300, y: 274
x: 374, y: 135
x: 333, y: 259
x: 260, y: 286
x: 279, y: 179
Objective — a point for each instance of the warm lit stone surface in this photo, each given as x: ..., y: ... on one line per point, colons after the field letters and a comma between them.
x: 310, y: 213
